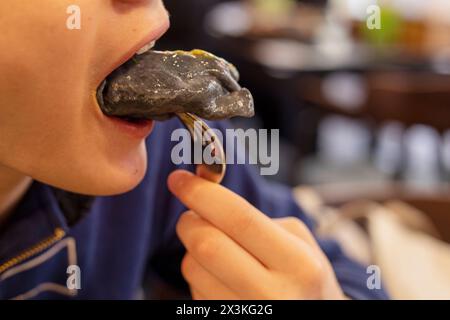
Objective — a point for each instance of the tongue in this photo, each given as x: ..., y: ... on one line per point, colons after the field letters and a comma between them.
x: 156, y: 85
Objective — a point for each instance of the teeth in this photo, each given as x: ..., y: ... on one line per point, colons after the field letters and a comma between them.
x: 146, y: 48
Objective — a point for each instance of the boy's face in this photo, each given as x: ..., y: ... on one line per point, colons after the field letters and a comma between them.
x: 51, y: 127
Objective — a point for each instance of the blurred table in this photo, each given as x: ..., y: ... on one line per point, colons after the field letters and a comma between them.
x: 435, y: 204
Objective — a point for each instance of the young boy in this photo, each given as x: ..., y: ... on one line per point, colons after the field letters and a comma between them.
x: 53, y: 137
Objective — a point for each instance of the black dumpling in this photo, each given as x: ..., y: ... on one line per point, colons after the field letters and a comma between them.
x: 156, y: 85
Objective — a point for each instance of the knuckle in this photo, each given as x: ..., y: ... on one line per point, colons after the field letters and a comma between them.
x: 184, y: 219
x: 205, y: 246
x: 243, y: 222
x: 288, y: 221
x: 299, y: 229
x: 187, y: 267
x: 298, y: 225
x: 313, y: 275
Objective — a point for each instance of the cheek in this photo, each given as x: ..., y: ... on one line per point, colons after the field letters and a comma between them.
x: 53, y: 131
x: 74, y: 153
x: 45, y: 80
x: 50, y: 126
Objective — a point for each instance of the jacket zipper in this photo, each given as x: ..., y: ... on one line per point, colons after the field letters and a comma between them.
x: 41, y: 246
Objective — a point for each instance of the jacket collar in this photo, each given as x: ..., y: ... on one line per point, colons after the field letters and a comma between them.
x: 42, y: 211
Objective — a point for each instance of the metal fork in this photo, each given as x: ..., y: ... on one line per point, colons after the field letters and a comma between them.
x: 201, y: 132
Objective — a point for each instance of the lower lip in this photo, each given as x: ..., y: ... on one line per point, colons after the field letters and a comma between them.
x: 140, y: 130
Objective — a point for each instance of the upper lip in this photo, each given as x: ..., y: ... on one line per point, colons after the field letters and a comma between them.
x: 152, y: 36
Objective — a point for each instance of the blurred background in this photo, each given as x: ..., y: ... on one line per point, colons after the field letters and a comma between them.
x: 363, y: 112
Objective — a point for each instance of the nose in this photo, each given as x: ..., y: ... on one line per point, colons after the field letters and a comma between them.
x: 134, y: 1
x: 150, y: 8
x: 131, y: 4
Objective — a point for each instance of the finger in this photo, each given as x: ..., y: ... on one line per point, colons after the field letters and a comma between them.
x: 221, y: 256
x: 196, y: 295
x: 237, y: 218
x: 205, y: 286
x: 297, y: 228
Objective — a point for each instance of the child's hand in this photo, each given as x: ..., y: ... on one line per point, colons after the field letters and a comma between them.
x: 234, y: 251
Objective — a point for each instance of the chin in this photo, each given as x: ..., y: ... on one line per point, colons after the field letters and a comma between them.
x: 120, y: 185
x: 101, y: 177
x: 118, y: 179
x: 108, y: 185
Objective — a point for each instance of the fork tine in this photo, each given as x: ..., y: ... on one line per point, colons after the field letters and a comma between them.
x: 213, y: 172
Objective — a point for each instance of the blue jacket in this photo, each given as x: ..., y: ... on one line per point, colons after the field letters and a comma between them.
x: 123, y: 242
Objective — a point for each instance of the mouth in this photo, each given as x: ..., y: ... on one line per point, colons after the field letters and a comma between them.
x: 132, y: 121
x: 146, y: 44
x: 156, y: 85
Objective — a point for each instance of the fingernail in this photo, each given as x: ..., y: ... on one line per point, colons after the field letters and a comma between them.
x: 177, y: 179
